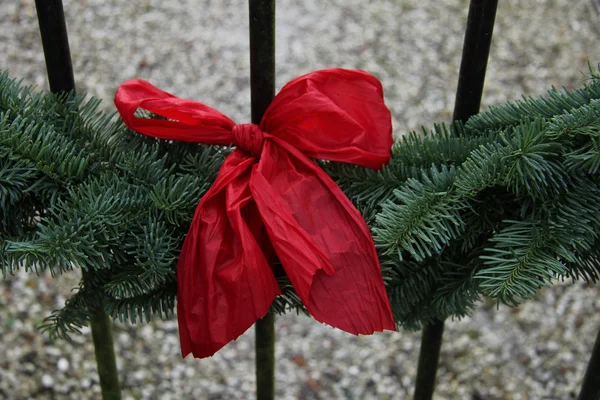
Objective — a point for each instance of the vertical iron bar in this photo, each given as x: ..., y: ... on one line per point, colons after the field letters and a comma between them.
x: 475, y: 54
x: 476, y: 51
x: 590, y: 387
x: 265, y: 357
x: 262, y: 56
x: 262, y: 86
x: 431, y: 344
x: 53, y: 30
x: 105, y: 355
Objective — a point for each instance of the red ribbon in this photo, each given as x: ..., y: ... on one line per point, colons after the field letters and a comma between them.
x: 270, y: 198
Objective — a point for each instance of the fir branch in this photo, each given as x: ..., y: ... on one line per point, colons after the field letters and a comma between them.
x: 178, y: 197
x: 519, y: 263
x: 13, y: 93
x: 153, y: 252
x: 38, y: 143
x: 483, y: 169
x: 424, y: 218
x: 410, y: 283
x: 527, y: 255
x: 532, y: 166
x: 513, y: 113
x: 457, y: 293
x: 160, y: 302
x: 70, y: 319
x: 585, y: 266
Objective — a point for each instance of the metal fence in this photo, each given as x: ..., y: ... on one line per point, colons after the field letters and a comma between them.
x: 476, y: 48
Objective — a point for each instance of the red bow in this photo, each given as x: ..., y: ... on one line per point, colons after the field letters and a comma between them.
x: 270, y: 198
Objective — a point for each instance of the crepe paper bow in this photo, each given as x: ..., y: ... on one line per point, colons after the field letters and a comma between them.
x: 270, y: 199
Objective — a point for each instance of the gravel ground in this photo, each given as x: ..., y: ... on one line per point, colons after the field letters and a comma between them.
x: 199, y: 50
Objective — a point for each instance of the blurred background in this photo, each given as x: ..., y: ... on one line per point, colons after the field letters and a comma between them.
x: 199, y: 50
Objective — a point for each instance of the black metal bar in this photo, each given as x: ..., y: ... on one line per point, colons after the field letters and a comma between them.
x: 265, y: 357
x: 104, y: 350
x: 55, y: 41
x: 429, y: 355
x: 262, y: 56
x: 476, y: 51
x: 262, y: 86
x: 53, y: 30
x: 590, y: 387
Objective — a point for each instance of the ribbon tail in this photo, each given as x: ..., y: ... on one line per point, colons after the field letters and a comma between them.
x: 323, y: 242
x: 225, y: 281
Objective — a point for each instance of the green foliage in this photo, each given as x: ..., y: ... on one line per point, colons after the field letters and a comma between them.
x: 79, y: 190
x: 421, y: 218
x: 499, y: 207
x: 517, y: 212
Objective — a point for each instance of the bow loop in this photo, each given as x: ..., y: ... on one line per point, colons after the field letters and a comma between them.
x: 333, y: 114
x: 248, y: 138
x: 183, y: 120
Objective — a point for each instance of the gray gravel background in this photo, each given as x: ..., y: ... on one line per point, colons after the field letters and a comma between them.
x: 199, y: 50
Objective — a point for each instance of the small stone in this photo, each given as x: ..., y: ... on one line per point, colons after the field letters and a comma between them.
x: 553, y: 346
x: 53, y: 351
x: 189, y: 372
x: 139, y: 375
x: 47, y: 381
x: 29, y: 368
x: 63, y: 389
x: 147, y: 332
x: 124, y: 339
x: 85, y: 383
x: 63, y: 364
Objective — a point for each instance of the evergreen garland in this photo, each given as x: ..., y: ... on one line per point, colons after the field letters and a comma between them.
x: 499, y: 206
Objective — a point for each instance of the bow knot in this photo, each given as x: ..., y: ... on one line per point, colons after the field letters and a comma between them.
x: 248, y: 138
